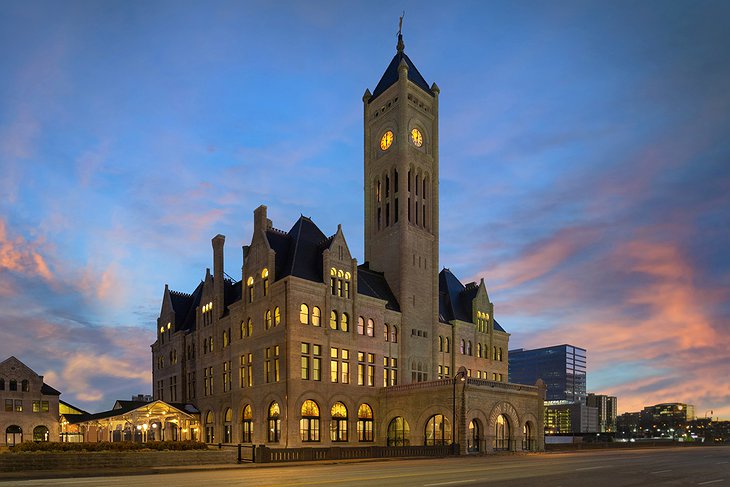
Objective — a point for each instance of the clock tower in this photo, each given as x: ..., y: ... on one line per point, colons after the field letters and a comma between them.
x: 401, y: 204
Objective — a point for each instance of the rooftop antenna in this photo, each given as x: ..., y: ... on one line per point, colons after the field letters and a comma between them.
x: 401, y: 46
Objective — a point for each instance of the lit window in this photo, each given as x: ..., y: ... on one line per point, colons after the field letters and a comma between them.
x: 344, y: 322
x: 365, y: 423
x: 249, y: 283
x: 333, y: 320
x: 304, y: 314
x: 360, y: 326
x: 371, y: 328
x: 277, y: 316
x: 316, y: 316
x: 309, y: 422
x: 338, y: 426
x: 265, y: 278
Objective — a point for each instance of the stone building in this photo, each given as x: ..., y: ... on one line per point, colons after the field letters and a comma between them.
x: 311, y: 348
x: 30, y: 405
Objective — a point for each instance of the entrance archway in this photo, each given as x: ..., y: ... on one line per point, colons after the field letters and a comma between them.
x: 40, y: 433
x: 13, y: 435
x: 502, y: 433
x: 473, y: 441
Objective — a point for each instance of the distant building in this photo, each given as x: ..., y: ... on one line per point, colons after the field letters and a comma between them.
x: 606, y: 406
x: 628, y: 425
x: 31, y: 405
x: 564, y: 417
x: 561, y: 367
x: 142, y: 398
x: 666, y: 420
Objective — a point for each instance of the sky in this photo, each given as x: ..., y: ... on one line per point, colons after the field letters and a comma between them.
x: 584, y: 161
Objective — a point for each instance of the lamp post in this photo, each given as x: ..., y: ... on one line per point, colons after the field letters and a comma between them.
x: 461, y: 376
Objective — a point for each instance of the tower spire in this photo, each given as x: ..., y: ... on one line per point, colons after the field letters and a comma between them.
x: 400, y: 45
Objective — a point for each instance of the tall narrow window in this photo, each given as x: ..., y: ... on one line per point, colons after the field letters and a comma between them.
x: 365, y: 423
x: 338, y: 425
x: 360, y: 326
x: 304, y: 314
x: 316, y: 316
x: 370, y: 331
x: 265, y: 279
x: 247, y: 424
x: 249, y: 284
x: 333, y: 320
x: 274, y: 420
x: 344, y: 322
x: 309, y: 422
x: 267, y: 319
x: 277, y: 316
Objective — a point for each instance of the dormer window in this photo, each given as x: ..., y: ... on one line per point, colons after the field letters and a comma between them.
x: 340, y: 283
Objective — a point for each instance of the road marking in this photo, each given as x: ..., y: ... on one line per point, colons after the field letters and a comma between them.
x: 661, y: 471
x: 451, y: 483
x: 592, y: 468
x: 711, y: 482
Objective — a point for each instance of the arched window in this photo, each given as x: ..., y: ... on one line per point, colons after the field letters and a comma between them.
x: 479, y: 350
x: 502, y: 433
x: 399, y: 432
x: 438, y: 431
x: 209, y: 427
x: 249, y: 285
x: 225, y: 344
x: 316, y: 316
x: 304, y: 314
x: 267, y: 319
x: 249, y: 327
x: 386, y: 332
x: 360, y: 325
x: 274, y: 422
x: 370, y: 330
x: 24, y: 385
x: 365, y: 423
x: 468, y: 347
x: 473, y: 440
x: 40, y: 433
x: 227, y: 426
x: 13, y: 435
x: 13, y: 385
x: 448, y: 345
x: 247, y: 424
x: 333, y: 281
x: 394, y: 334
x: 462, y: 347
x: 309, y: 422
x: 265, y: 278
x: 277, y: 316
x: 333, y: 319
x: 338, y: 425
x: 344, y: 322
x: 441, y: 343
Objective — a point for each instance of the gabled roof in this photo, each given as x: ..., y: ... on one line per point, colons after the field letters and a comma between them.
x: 47, y: 390
x: 184, y: 306
x: 455, y: 299
x: 299, y: 251
x: 373, y: 284
x: 124, y: 407
x: 391, y: 76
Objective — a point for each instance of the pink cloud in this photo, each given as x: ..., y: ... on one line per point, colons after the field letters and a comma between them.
x: 22, y: 256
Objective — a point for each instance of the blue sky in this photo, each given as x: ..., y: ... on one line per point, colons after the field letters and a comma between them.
x: 585, y: 170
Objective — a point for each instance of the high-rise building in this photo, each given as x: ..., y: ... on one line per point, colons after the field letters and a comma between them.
x: 606, y: 406
x: 666, y: 420
x: 309, y: 347
x: 561, y: 367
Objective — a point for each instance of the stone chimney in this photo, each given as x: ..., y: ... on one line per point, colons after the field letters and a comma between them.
x: 218, y: 286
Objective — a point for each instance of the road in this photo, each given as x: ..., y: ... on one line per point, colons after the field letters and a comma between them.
x: 703, y: 466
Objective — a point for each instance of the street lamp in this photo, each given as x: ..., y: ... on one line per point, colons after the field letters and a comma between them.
x: 459, y: 377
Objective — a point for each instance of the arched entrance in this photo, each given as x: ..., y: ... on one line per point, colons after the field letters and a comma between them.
x: 13, y: 435
x: 502, y: 433
x: 528, y: 436
x: 40, y: 433
x: 474, y: 439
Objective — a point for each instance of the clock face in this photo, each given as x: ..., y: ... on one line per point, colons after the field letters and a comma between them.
x: 386, y: 140
x: 417, y: 137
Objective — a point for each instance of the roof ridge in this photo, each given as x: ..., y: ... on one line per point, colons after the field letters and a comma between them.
x: 180, y: 293
x: 296, y: 246
x: 276, y: 230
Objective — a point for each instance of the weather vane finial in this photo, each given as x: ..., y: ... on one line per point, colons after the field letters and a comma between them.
x: 401, y: 46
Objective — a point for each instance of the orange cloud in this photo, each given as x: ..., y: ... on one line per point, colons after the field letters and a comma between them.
x: 21, y: 256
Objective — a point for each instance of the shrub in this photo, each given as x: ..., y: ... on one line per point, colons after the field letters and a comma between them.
x: 109, y: 446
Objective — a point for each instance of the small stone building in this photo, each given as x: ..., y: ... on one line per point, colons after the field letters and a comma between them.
x: 310, y: 348
x: 30, y: 406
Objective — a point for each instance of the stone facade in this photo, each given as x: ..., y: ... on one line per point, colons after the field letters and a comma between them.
x: 310, y: 348
x: 29, y: 406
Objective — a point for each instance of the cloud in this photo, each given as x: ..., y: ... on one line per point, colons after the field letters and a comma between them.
x: 21, y: 256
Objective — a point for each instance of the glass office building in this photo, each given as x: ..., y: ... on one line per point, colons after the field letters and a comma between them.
x: 562, y: 368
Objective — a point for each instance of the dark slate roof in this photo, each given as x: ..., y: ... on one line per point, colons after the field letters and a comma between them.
x: 391, y: 76
x: 455, y: 299
x: 372, y: 283
x: 299, y: 251
x: 49, y: 391
x: 184, y: 306
x: 232, y: 291
x: 498, y: 327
